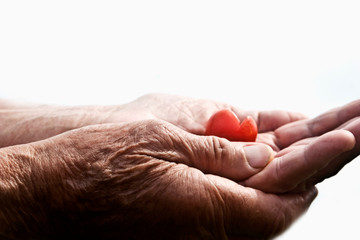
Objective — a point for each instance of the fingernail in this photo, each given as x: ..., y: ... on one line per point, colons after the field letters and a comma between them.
x: 258, y: 156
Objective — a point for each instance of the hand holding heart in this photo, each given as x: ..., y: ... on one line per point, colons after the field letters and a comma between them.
x: 148, y: 168
x: 296, y: 141
x: 288, y: 134
x: 225, y: 123
x: 138, y: 180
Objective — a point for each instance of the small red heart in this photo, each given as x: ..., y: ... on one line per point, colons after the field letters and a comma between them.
x: 226, y: 124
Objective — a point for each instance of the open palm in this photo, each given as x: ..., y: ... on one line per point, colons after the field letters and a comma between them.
x: 307, y: 150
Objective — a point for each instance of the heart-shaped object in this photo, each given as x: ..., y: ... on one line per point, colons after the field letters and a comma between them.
x: 226, y: 124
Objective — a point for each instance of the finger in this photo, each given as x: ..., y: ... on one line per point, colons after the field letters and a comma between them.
x: 354, y: 127
x: 260, y: 215
x: 328, y: 121
x: 270, y: 120
x: 286, y: 172
x: 339, y: 162
x: 335, y: 165
x: 233, y: 160
x: 210, y: 154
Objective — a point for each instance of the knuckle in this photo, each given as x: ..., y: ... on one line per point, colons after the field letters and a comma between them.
x: 218, y: 150
x: 219, y: 155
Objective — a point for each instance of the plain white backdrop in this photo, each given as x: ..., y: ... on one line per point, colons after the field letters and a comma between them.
x: 293, y: 55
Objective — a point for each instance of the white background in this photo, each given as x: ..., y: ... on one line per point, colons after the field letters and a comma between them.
x: 291, y: 55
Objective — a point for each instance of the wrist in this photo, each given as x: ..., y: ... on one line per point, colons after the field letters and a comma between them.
x: 34, y: 191
x: 20, y: 126
x: 21, y: 207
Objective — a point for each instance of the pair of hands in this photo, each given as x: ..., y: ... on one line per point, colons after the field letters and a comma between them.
x: 150, y: 172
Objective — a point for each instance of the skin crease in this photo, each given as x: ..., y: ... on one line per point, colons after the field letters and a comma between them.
x: 112, y: 188
x: 111, y: 180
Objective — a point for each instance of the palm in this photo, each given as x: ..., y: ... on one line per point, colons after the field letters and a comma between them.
x: 301, y: 149
x: 310, y: 149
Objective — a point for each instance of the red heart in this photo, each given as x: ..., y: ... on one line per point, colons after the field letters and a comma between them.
x: 226, y: 124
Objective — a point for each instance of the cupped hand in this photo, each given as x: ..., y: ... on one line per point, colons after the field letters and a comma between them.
x: 288, y: 134
x: 141, y: 180
x: 24, y: 123
x: 192, y: 114
x: 307, y: 150
x: 310, y: 150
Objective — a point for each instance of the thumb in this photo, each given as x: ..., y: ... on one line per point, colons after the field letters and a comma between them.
x: 233, y: 160
x: 212, y: 155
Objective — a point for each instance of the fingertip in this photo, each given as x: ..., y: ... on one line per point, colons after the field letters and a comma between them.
x: 311, y: 194
x: 258, y: 155
x: 272, y: 153
x: 346, y: 138
x: 240, y: 160
x: 352, y: 139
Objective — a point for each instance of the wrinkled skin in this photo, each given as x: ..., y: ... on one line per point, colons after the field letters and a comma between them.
x: 160, y: 179
x: 314, y: 149
x: 130, y: 182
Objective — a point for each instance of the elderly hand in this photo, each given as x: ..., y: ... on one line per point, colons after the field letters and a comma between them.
x: 97, y: 170
x: 138, y: 180
x: 302, y: 140
x: 24, y: 123
x: 308, y: 150
x: 324, y: 144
